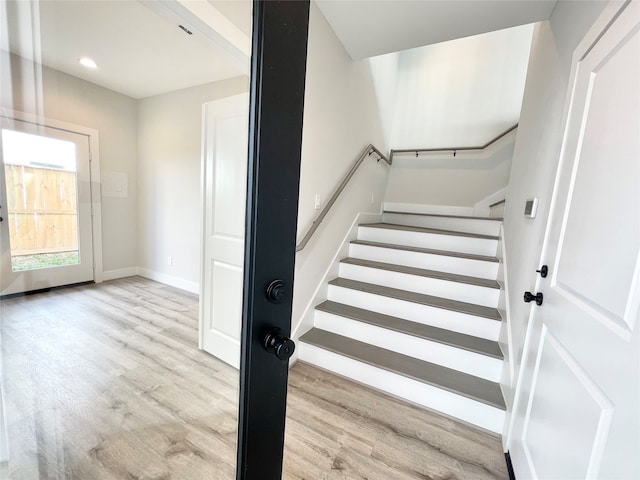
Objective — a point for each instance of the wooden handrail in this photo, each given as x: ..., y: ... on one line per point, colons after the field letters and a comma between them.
x: 367, y: 152
x: 417, y: 151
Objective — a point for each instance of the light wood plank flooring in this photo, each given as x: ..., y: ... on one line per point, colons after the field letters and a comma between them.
x: 106, y: 382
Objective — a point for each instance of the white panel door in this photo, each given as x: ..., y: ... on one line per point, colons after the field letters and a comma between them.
x: 579, y: 410
x: 46, y: 236
x: 224, y: 176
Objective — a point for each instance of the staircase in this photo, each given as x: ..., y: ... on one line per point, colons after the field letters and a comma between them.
x: 414, y: 313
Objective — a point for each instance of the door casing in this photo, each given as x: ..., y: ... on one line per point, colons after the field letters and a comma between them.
x: 94, y: 171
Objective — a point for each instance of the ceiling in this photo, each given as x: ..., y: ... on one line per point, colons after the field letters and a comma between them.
x: 141, y: 51
x: 138, y: 46
x: 369, y: 28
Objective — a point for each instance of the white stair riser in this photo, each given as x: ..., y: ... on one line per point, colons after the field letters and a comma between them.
x: 441, y: 263
x: 462, y: 292
x: 468, y: 225
x: 456, y: 358
x: 466, y: 409
x: 454, y: 243
x: 437, y: 317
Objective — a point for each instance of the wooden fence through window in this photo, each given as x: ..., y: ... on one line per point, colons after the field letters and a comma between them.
x: 42, y: 210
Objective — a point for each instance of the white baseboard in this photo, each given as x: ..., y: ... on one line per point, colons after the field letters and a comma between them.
x: 119, y: 273
x: 170, y: 280
x: 428, y: 209
x: 320, y: 293
x: 482, y: 208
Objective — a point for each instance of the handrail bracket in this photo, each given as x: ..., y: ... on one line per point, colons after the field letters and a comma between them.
x: 367, y: 152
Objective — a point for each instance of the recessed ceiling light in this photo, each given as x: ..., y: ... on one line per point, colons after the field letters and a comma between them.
x: 88, y: 62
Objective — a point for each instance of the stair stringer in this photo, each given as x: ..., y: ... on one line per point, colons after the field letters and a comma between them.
x: 508, y: 380
x: 304, y: 322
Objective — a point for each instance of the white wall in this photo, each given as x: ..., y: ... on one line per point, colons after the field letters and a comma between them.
x: 537, y: 152
x: 156, y: 142
x: 169, y: 163
x: 444, y: 180
x: 340, y: 119
x: 384, y: 71
x: 458, y: 93
x: 75, y: 101
x: 455, y: 187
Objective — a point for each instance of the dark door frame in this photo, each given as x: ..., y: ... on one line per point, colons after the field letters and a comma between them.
x: 278, y: 70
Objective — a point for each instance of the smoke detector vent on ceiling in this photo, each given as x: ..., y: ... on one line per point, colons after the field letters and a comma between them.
x: 185, y: 29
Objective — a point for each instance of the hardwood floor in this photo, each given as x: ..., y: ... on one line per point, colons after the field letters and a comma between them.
x: 106, y: 382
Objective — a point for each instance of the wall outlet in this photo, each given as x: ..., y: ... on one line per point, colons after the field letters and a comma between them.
x: 371, y: 199
x: 169, y: 260
x: 318, y: 202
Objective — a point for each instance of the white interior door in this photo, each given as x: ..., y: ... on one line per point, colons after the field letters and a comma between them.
x: 45, y: 197
x: 224, y: 176
x: 579, y: 411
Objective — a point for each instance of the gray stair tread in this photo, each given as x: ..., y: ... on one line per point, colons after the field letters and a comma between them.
x: 470, y: 256
x: 422, y: 272
x: 427, y: 332
x: 495, y: 219
x: 442, y: 377
x: 438, y: 302
x: 437, y: 231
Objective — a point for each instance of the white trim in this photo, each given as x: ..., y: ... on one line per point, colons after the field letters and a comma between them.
x: 507, y: 319
x: 320, y: 293
x: 508, y: 390
x: 166, y: 279
x: 428, y: 209
x: 4, y: 442
x: 482, y: 208
x: 96, y: 206
x: 203, y: 220
x: 94, y: 152
x: 187, y: 285
x: 119, y: 273
x: 457, y: 406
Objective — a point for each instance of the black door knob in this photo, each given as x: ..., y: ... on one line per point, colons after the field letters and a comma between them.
x: 276, y: 292
x: 529, y: 297
x: 281, y: 347
x: 544, y: 271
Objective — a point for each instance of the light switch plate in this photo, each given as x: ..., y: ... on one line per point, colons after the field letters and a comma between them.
x: 115, y: 184
x: 531, y: 207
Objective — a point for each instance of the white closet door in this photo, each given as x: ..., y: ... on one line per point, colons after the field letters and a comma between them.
x: 224, y: 192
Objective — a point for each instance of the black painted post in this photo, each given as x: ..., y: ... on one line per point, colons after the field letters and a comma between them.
x: 278, y: 67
